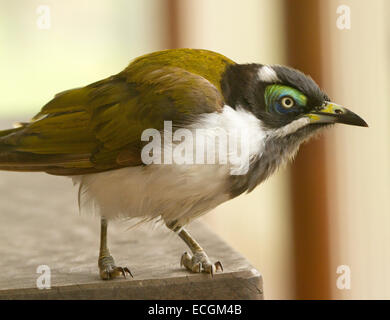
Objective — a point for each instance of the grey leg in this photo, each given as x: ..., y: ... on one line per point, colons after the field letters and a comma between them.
x: 198, y: 261
x: 106, y: 262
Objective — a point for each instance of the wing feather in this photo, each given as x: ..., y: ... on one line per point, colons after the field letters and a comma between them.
x: 98, y: 127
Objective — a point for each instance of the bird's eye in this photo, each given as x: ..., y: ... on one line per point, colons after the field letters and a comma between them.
x: 283, y: 99
x: 287, y: 102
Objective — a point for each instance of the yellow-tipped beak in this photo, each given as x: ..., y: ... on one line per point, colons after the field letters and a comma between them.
x: 333, y: 113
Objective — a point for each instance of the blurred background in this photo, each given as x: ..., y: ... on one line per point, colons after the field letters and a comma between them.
x: 314, y: 225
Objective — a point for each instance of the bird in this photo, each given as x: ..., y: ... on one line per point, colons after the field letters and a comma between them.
x: 106, y: 137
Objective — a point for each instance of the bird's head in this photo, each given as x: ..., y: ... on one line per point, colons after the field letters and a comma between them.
x: 291, y: 108
x: 286, y: 101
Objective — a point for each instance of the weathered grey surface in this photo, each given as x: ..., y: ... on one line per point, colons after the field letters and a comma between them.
x: 39, y: 225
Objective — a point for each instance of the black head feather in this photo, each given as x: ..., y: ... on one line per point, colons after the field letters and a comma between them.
x: 302, y: 82
x: 241, y: 86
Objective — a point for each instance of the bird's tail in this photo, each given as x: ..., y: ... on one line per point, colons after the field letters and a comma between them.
x: 14, y: 157
x: 4, y: 133
x: 9, y: 159
x: 12, y: 160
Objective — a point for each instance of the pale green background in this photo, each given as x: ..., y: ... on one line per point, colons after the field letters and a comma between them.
x: 87, y: 41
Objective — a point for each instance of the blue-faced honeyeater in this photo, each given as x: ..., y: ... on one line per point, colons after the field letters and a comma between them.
x: 94, y: 134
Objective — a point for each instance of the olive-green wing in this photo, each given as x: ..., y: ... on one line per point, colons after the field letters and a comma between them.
x: 99, y: 127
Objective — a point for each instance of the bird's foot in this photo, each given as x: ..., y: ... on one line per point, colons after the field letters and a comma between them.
x: 109, y: 271
x: 200, y: 262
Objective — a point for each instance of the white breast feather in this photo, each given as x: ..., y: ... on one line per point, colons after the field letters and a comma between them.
x: 171, y: 192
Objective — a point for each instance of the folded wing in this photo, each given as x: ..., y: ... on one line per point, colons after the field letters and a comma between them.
x: 99, y: 127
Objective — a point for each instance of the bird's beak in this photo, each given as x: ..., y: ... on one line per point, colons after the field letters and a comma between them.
x: 333, y: 113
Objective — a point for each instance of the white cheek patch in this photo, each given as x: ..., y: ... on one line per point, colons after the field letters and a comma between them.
x: 291, y: 127
x: 267, y: 74
x: 244, y: 135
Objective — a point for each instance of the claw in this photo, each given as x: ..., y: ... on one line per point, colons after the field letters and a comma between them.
x: 123, y: 272
x: 109, y: 271
x: 199, y: 262
x: 182, y: 259
x: 198, y: 267
x: 128, y: 271
x: 218, y: 266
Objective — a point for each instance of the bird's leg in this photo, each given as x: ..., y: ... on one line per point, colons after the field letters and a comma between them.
x: 106, y: 262
x: 198, y: 261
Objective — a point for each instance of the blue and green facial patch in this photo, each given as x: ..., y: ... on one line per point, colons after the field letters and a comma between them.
x: 283, y: 99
